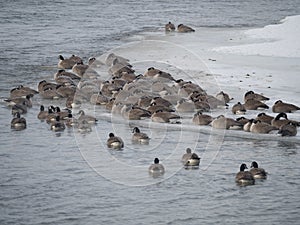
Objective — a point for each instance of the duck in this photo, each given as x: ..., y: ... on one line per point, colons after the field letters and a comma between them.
x: 57, y: 125
x: 114, y: 142
x: 238, y: 108
x: 252, y: 95
x: 257, y: 173
x: 156, y: 168
x: 190, y: 159
x: 288, y: 129
x: 184, y: 29
x: 202, y: 119
x: 65, y: 63
x: 260, y: 127
x: 222, y: 96
x: 42, y: 115
x: 263, y: 117
x: 163, y: 117
x: 139, y: 137
x: 221, y: 122
x: 169, y: 27
x: 244, y: 177
x: 18, y: 122
x: 88, y: 118
x: 280, y: 106
x: 253, y: 104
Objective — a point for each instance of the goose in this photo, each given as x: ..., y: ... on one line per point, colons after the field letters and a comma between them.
x: 20, y: 108
x: 64, y: 73
x: 280, y: 106
x: 244, y: 177
x: 27, y: 101
x: 222, y: 96
x: 261, y: 127
x: 18, y: 122
x: 22, y: 91
x: 184, y: 106
x: 202, y: 119
x: 257, y: 173
x: 252, y: 104
x: 42, y: 115
x: 238, y: 108
x: 79, y: 69
x: 242, y: 120
x: 163, y: 117
x: 156, y: 168
x: 190, y: 159
x: 169, y: 27
x: 139, y: 137
x: 221, y: 122
x: 88, y: 118
x: 65, y: 63
x: 184, y: 29
x: 263, y: 117
x: 57, y: 125
x: 278, y: 122
x: 288, y: 130
x: 114, y: 142
x: 252, y: 95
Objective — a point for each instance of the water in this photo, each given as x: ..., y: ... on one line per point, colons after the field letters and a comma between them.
x: 47, y: 178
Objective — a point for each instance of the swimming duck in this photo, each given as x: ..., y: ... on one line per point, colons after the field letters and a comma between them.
x: 184, y: 29
x: 169, y: 27
x: 139, y: 137
x: 190, y: 159
x: 252, y: 104
x: 280, y: 106
x: 252, y: 95
x: 288, y: 129
x: 114, y: 142
x: 238, y: 108
x: 18, y: 122
x: 202, y: 119
x: 244, y: 177
x: 257, y: 173
x: 261, y: 127
x: 156, y: 168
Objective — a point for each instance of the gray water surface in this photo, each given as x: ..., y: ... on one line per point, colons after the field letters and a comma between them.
x: 50, y: 178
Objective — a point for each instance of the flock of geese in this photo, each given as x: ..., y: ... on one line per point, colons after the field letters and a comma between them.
x: 154, y: 95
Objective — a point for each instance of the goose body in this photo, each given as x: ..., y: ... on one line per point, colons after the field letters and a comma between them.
x: 114, y: 142
x: 257, y: 173
x: 244, y: 177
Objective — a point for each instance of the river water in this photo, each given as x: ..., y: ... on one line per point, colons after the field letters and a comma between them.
x: 69, y: 178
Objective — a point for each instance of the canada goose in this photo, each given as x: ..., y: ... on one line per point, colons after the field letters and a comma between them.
x: 184, y: 29
x: 62, y: 114
x: 27, y: 101
x: 114, y: 142
x: 64, y: 80
x: 57, y: 125
x: 163, y: 117
x: 111, y: 57
x: 65, y: 90
x: 151, y: 72
x: 288, y: 129
x: 161, y: 101
x: 169, y: 27
x: 280, y: 106
x: 42, y: 85
x: 75, y: 58
x: 261, y: 127
x: 50, y: 93
x: 42, y: 114
x: 154, y: 107
x: 252, y: 95
x: 190, y: 159
x: 164, y: 75
x: 252, y: 104
x: 139, y: 137
x: 79, y: 69
x: 247, y: 125
x: 202, y: 119
x: 263, y: 117
x: 119, y: 68
x: 202, y: 106
x: 65, y: 63
x: 144, y: 101
x: 51, y: 117
x: 221, y: 122
x: 64, y: 73
x: 257, y: 173
x: 184, y: 106
x: 156, y: 168
x: 84, y: 126
x: 99, y: 99
x: 238, y: 109
x: 20, y: 108
x: 242, y: 120
x: 134, y: 112
x: 18, y: 122
x: 244, y: 177
x: 88, y: 118
x: 222, y: 96
x: 278, y: 122
x: 22, y: 91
